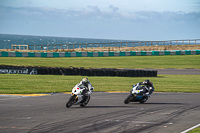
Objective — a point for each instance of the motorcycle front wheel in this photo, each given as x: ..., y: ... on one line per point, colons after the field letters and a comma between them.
x: 143, y: 100
x: 70, y: 102
x: 127, y: 100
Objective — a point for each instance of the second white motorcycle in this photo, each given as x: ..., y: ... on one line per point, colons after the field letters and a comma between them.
x: 137, y: 94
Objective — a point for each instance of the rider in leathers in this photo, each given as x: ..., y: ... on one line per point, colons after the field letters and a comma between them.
x: 150, y: 88
x: 86, y: 83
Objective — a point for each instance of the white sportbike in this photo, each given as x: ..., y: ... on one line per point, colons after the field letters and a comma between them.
x: 80, y: 96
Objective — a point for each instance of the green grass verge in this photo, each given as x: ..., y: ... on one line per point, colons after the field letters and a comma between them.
x: 29, y: 84
x: 157, y: 62
x: 196, y: 130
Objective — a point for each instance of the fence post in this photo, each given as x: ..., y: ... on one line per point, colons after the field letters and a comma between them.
x: 47, y: 47
x: 133, y: 44
x: 145, y: 43
x: 86, y: 46
x: 41, y: 46
x: 176, y: 42
x: 151, y: 43
x: 121, y: 44
x: 139, y: 44
x: 115, y: 45
x: 195, y: 42
x: 73, y: 47
x: 92, y: 45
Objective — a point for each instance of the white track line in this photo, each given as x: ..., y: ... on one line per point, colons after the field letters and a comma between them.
x: 191, y: 128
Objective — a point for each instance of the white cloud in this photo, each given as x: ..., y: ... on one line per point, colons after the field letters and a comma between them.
x: 101, y: 20
x: 113, y: 8
x: 93, y: 12
x: 104, y: 5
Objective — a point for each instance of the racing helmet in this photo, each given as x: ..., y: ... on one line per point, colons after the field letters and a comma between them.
x: 85, y: 81
x: 147, y: 81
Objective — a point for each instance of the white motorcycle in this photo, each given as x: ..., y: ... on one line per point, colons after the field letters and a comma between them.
x: 137, y: 94
x: 80, y: 96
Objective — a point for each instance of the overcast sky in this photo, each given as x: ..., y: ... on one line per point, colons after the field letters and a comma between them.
x: 102, y: 19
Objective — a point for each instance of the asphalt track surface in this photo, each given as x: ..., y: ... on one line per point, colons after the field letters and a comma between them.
x: 171, y: 71
x: 105, y: 113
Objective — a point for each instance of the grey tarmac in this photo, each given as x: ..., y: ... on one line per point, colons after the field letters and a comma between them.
x: 105, y: 113
x: 188, y: 71
x: 172, y: 71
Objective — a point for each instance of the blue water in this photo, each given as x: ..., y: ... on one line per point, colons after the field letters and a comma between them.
x: 45, y: 42
x: 6, y: 40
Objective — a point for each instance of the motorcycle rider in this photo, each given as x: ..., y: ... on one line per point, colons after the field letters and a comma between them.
x: 86, y: 83
x: 149, y: 87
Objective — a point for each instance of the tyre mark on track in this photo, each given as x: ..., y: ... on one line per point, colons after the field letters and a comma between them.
x: 164, y: 121
x: 98, y: 122
x: 117, y: 121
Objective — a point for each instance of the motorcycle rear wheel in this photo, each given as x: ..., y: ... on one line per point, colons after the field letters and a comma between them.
x: 85, y: 103
x: 143, y: 100
x: 70, y: 102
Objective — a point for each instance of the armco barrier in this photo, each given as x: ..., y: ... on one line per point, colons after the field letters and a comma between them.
x: 97, y: 54
x: 5, y: 69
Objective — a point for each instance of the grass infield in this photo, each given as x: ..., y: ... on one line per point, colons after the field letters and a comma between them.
x: 29, y: 84
x: 157, y: 62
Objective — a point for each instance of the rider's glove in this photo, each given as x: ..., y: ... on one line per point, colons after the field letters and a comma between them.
x: 91, y: 89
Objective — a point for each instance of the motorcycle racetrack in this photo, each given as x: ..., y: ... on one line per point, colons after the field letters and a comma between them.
x: 105, y: 113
